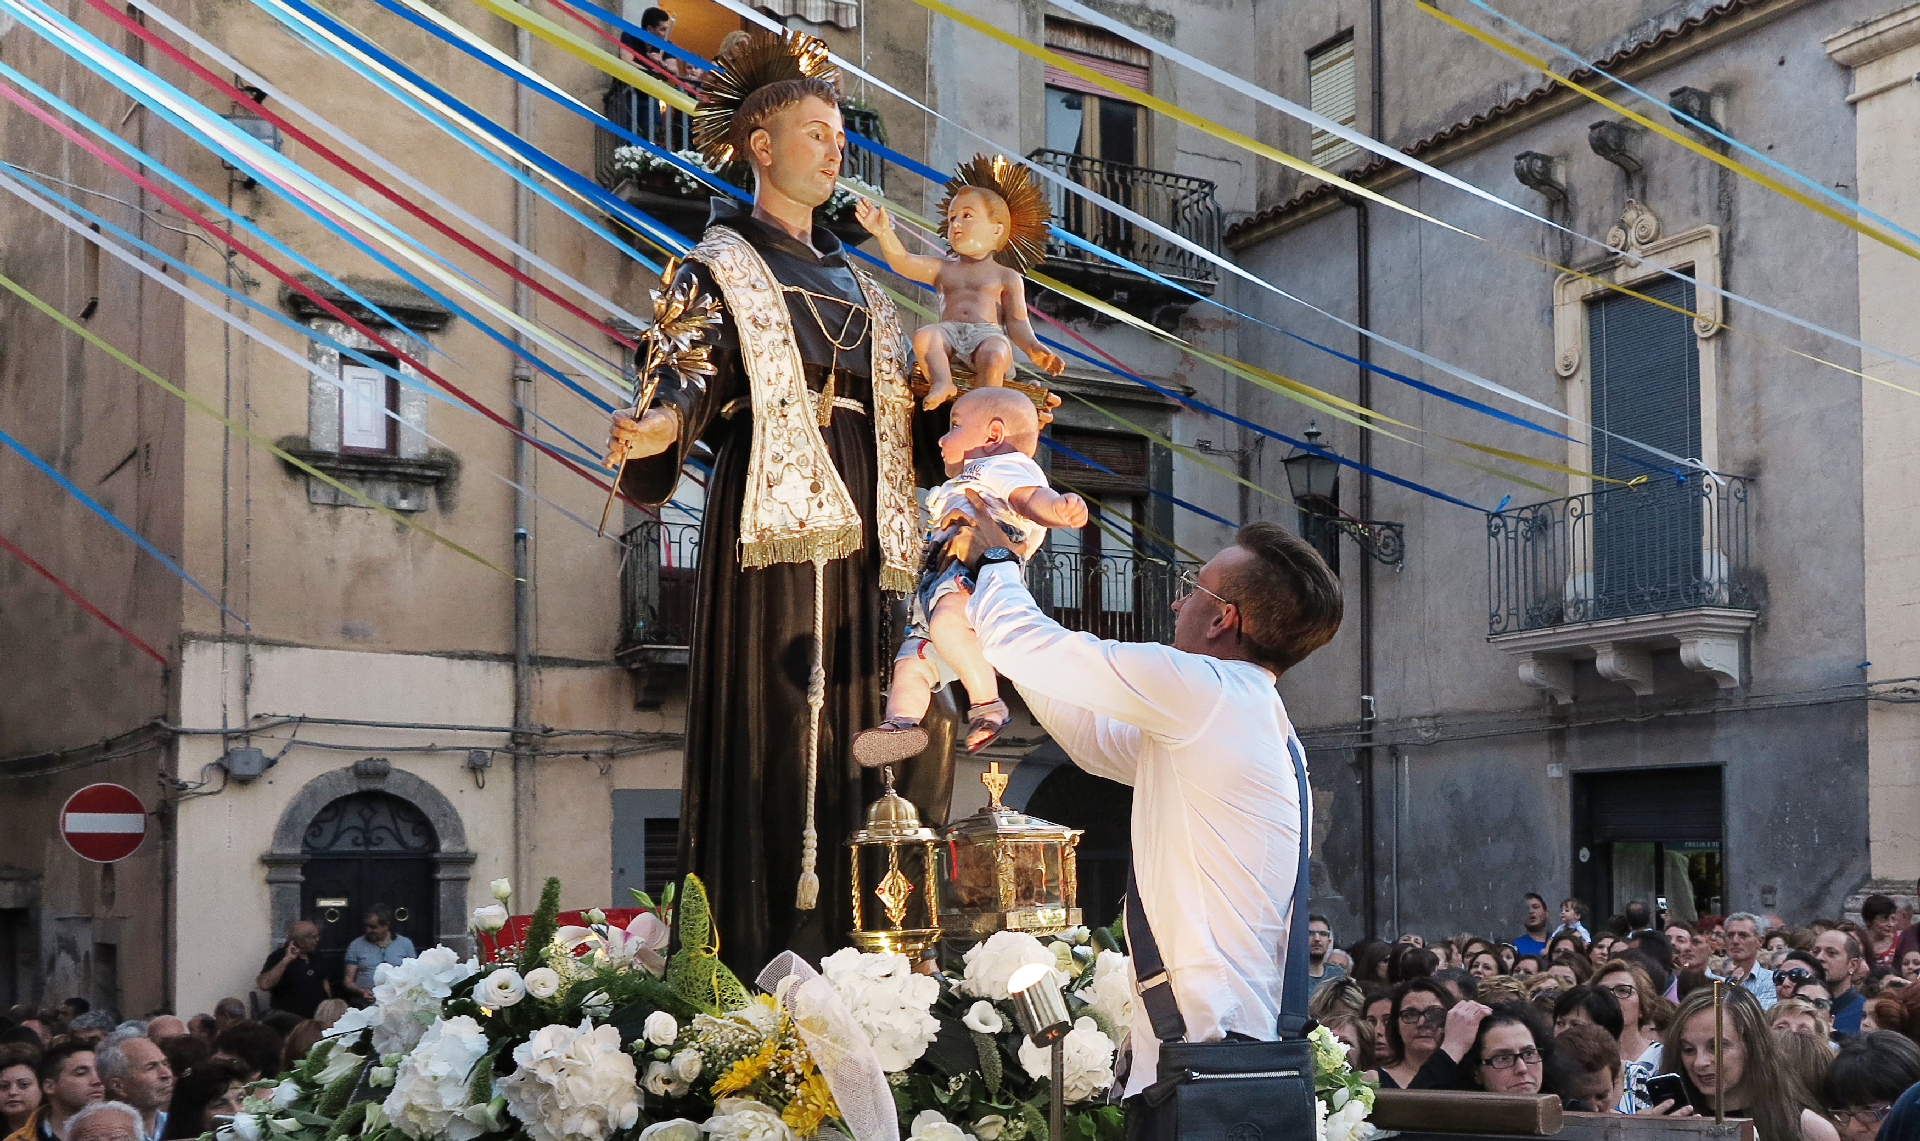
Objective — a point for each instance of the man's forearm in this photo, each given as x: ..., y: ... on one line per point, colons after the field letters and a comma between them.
x: 270, y: 978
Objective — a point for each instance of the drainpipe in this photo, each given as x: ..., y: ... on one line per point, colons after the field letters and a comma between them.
x: 1363, y: 316
x: 524, y: 793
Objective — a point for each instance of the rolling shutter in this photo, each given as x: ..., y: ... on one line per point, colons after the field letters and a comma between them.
x: 1333, y: 91
x: 1667, y: 805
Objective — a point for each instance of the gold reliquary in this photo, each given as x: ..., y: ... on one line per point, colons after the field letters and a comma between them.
x: 894, y: 874
x: 1002, y: 870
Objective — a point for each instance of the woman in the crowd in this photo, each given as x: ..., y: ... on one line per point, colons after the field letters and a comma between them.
x: 1867, y: 1076
x: 1357, y: 1033
x: 1795, y: 970
x: 252, y: 1047
x: 1591, y: 1006
x: 1543, y: 991
x: 210, y: 1089
x: 1376, y: 1014
x: 1883, y: 1012
x: 1411, y: 961
x: 1425, y: 1041
x: 1742, y: 1071
x: 1370, y: 960
x: 1341, y: 995
x: 1798, y: 1016
x: 1483, y: 964
x: 1571, y: 971
x: 1566, y: 943
x: 1509, y: 955
x: 299, y: 1040
x: 1591, y: 1078
x: 1879, y: 933
x: 1501, y: 988
x: 1909, y: 966
x: 329, y: 1012
x: 1601, y: 951
x: 19, y: 1085
x: 1643, y: 1015
x: 1511, y: 1052
x: 1524, y: 966
x: 1806, y: 1056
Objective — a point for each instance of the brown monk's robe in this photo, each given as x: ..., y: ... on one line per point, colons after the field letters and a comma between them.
x: 743, y: 792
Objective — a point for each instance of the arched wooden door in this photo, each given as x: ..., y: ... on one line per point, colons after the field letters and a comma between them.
x: 365, y: 850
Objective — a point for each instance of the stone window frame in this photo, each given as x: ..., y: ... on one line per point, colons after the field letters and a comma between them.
x: 323, y: 399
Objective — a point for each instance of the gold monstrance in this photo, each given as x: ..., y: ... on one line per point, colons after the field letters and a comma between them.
x: 1006, y: 871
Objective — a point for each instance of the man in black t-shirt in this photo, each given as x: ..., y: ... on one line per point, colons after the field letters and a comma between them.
x: 290, y: 975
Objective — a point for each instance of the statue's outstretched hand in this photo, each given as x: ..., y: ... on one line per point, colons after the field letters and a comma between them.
x: 651, y: 434
x: 873, y: 217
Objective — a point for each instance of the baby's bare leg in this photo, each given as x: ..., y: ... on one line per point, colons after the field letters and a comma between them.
x: 912, y: 690
x: 930, y: 346
x: 953, y: 635
x: 992, y: 361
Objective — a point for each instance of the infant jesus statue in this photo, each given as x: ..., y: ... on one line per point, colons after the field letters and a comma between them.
x: 995, y: 221
x: 988, y: 450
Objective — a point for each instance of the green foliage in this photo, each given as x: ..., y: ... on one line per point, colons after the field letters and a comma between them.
x: 1036, y: 1122
x: 641, y: 898
x: 695, y: 972
x: 990, y: 1070
x: 540, y: 930
x: 480, y: 1082
x: 334, y: 1099
x: 349, y: 1121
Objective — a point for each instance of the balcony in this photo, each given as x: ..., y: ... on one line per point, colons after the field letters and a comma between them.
x: 1180, y: 203
x: 679, y: 199
x: 1617, y: 575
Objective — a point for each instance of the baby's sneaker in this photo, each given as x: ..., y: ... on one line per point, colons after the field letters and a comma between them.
x: 892, y: 742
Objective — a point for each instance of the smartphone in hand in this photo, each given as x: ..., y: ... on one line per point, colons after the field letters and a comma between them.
x: 1666, y: 1087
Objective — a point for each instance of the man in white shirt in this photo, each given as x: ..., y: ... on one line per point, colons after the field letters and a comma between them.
x: 1199, y: 731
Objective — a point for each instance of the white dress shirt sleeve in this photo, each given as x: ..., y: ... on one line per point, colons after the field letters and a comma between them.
x: 1145, y: 686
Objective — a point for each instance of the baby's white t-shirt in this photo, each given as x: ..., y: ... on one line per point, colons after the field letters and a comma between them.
x: 996, y: 478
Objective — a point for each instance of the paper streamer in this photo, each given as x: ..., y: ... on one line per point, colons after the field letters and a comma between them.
x: 80, y: 600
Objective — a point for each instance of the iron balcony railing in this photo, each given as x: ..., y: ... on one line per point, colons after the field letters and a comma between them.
x: 1114, y: 596
x: 671, y: 129
x: 1665, y: 545
x: 1180, y: 203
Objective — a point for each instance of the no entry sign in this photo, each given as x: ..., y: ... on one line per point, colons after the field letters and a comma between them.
x: 103, y: 823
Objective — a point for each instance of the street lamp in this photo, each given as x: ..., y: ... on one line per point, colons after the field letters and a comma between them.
x: 1313, y: 478
x: 1041, y: 1011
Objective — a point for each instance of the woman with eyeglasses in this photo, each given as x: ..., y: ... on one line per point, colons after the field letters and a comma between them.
x: 1427, y: 1036
x: 1742, y: 1070
x: 1867, y: 1076
x: 1643, y: 1015
x: 1511, y: 1052
x: 1795, y: 971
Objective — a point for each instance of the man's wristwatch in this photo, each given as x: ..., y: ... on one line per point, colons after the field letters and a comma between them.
x: 994, y: 555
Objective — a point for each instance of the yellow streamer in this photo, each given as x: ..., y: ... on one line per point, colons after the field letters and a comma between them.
x: 1512, y: 51
x: 199, y: 405
x: 573, y: 45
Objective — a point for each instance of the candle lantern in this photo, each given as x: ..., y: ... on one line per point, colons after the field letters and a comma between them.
x: 1003, y: 870
x: 894, y: 854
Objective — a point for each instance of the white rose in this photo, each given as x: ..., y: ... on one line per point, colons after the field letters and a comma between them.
x: 991, y: 963
x: 542, y: 982
x: 492, y: 917
x: 661, y: 1029
x: 573, y: 1084
x: 503, y: 987
x: 989, y: 1127
x: 501, y: 889
x: 1349, y: 1123
x: 430, y: 1088
x: 984, y: 1017
x: 284, y: 1094
x: 246, y: 1126
x: 661, y: 1081
x: 687, y: 1065
x: 596, y: 916
x: 741, y: 1119
x: 931, y: 1125
x: 1088, y: 1061
x: 679, y: 1129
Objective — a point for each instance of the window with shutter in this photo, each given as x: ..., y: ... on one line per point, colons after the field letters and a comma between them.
x: 366, y: 396
x: 1332, y: 90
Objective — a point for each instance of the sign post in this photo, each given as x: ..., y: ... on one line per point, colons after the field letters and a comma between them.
x: 103, y: 823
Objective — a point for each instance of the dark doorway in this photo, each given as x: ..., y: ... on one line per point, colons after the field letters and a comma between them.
x: 370, y: 849
x: 1103, y: 811
x: 1650, y: 834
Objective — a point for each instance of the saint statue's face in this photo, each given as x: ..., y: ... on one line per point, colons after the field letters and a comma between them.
x: 972, y: 231
x: 796, y: 152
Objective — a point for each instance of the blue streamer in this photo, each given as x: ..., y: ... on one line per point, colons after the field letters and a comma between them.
x: 113, y: 520
x: 1098, y: 466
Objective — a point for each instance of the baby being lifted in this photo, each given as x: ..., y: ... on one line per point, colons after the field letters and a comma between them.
x: 988, y: 450
x: 995, y: 221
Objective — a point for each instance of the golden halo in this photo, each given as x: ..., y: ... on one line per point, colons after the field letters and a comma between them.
x: 761, y: 59
x: 1029, y: 209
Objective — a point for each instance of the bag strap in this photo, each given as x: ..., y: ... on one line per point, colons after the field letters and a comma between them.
x: 1156, y: 986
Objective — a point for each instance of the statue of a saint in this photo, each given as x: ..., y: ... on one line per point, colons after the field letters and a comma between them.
x: 810, y: 518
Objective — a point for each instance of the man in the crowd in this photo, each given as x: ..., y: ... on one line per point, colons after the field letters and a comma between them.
x: 90, y: 1027
x: 134, y: 1071
x: 377, y: 945
x: 1689, y: 949
x: 1319, y: 942
x: 1533, y: 940
x: 105, y: 1121
x: 226, y: 1012
x: 1341, y: 960
x: 165, y: 1026
x: 1743, y: 954
x: 1637, y: 916
x: 290, y: 975
x: 68, y: 1083
x: 1839, y: 955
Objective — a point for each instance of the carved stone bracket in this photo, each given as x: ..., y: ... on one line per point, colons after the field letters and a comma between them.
x: 1710, y: 639
x: 1627, y: 663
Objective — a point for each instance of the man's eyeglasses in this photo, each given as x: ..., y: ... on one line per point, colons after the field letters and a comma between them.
x: 1866, y: 1116
x: 1190, y: 582
x: 1434, y: 1015
x: 1796, y: 976
x: 1506, y: 1060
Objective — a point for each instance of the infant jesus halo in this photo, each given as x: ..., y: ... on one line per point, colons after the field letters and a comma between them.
x: 995, y: 221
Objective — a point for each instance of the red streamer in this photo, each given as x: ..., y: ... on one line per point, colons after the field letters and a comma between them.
x: 81, y: 602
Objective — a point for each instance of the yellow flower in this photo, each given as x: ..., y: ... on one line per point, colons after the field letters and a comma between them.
x: 746, y: 1071
x: 812, y: 1104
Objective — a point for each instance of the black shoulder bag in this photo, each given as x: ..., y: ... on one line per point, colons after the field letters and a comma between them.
x: 1230, y: 1090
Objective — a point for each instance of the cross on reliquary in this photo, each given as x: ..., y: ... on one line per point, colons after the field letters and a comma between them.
x: 996, y: 782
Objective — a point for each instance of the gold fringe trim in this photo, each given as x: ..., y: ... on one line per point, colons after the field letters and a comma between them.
x: 816, y: 546
x: 896, y: 579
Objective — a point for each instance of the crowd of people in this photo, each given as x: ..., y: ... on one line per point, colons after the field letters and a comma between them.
x: 1819, y: 1023
x: 74, y: 1073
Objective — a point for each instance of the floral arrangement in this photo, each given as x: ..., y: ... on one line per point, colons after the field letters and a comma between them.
x: 592, y: 1032
x: 645, y: 167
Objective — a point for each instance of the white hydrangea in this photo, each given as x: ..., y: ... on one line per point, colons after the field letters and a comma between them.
x: 1111, y: 992
x: 743, y: 1119
x: 679, y: 1129
x: 430, y: 1086
x: 573, y: 1084
x: 1088, y: 1061
x: 408, y: 997
x: 891, y: 1003
x: 991, y: 963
